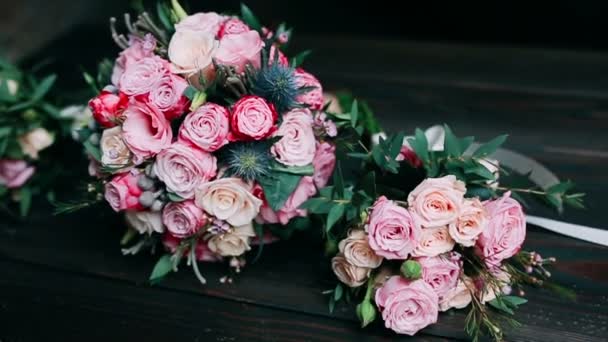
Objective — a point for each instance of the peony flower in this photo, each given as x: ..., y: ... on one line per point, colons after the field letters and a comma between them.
x: 434, y: 241
x: 114, y: 151
x: 349, y: 274
x: 237, y: 50
x: 407, y: 306
x: 138, y: 49
x: 324, y: 163
x: 35, y: 141
x: 14, y: 173
x: 437, y: 201
x: 204, y: 23
x: 229, y: 199
x: 206, y: 128
x: 441, y: 272
x: 392, y: 231
x: 458, y: 297
x: 184, y: 168
x: 107, y: 108
x: 233, y: 244
x: 168, y: 96
x: 305, y: 190
x: 357, y: 251
x: 145, y: 130
x: 297, y: 144
x: 232, y: 26
x: 143, y: 76
x: 145, y: 222
x: 201, y: 251
x: 312, y: 98
x: 122, y: 192
x: 183, y: 219
x: 471, y: 222
x: 253, y: 118
x: 192, y: 53
x: 505, y: 231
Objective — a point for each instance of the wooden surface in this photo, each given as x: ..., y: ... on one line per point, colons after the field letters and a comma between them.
x: 64, y: 277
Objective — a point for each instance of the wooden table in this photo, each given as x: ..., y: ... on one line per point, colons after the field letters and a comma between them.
x: 63, y: 278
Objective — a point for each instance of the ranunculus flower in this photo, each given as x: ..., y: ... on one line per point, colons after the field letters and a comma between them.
x: 232, y: 26
x: 252, y: 118
x: 324, y: 163
x: 184, y: 168
x: 305, y: 190
x: 297, y: 146
x: 122, y: 192
x: 207, y: 127
x: 407, y: 306
x: 114, y: 151
x: 145, y: 222
x: 392, y: 231
x: 357, y: 251
x: 458, y: 297
x: 202, y: 23
x: 201, y: 251
x: 138, y: 49
x: 35, y: 141
x: 505, y: 231
x: 229, y: 199
x: 145, y: 130
x: 349, y: 274
x: 238, y: 50
x: 14, y: 173
x: 470, y: 223
x: 234, y: 243
x: 192, y: 52
x: 437, y: 201
x: 434, y: 241
x: 313, y: 98
x: 183, y: 219
x: 441, y: 272
x: 107, y: 108
x: 168, y: 96
x: 143, y: 76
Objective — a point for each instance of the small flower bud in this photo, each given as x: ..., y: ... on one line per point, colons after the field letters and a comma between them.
x: 145, y: 183
x: 94, y: 139
x: 157, y: 205
x: 147, y: 199
x: 529, y: 269
x: 366, y: 312
x: 411, y: 269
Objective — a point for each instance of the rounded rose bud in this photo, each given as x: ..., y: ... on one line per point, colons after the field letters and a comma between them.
x: 202, y: 251
x: 434, y: 241
x: 145, y: 222
x: 458, y: 297
x: 305, y: 190
x: 392, y: 231
x: 35, y: 141
x: 505, y: 231
x: 253, y: 118
x: 107, y: 108
x: 324, y: 163
x: 407, y: 306
x: 14, y: 173
x: 143, y: 76
x: 192, y: 52
x: 238, y: 50
x: 183, y: 219
x: 347, y: 273
x: 122, y: 192
x: 297, y: 146
x: 145, y: 130
x: 441, y: 272
x: 470, y: 223
x: 437, y: 201
x: 207, y: 127
x: 233, y: 244
x: 357, y: 251
x: 138, y: 49
x: 207, y: 23
x: 229, y: 199
x: 114, y: 151
x: 168, y: 96
x: 314, y: 97
x: 184, y: 168
x: 232, y: 26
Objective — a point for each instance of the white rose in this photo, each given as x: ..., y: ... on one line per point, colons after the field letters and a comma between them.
x: 459, y: 297
x: 357, y: 251
x: 145, y: 221
x: 229, y: 199
x: 35, y: 141
x: 235, y: 243
x: 114, y: 151
x: 191, y: 51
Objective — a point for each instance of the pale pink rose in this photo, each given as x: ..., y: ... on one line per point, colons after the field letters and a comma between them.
x: 471, y: 222
x: 505, y: 232
x: 145, y: 130
x: 437, y: 201
x: 313, y: 98
x: 357, y: 251
x: 35, y: 141
x: 229, y: 199
x: 441, y: 272
x: 143, y: 76
x: 202, y: 23
x: 458, y: 297
x: 275, y: 54
x: 234, y: 243
x: 145, y: 222
x: 192, y: 53
x: 202, y: 251
x: 407, y: 306
x: 238, y: 50
x: 207, y: 127
x: 305, y: 190
x: 114, y: 152
x: 324, y: 126
x: 108, y: 108
x: 183, y: 219
x: 252, y: 118
x: 138, y: 49
x: 347, y: 273
x: 434, y: 241
x: 324, y: 163
x: 168, y: 96
x: 232, y: 26
x: 14, y: 173
x: 393, y: 232
x: 184, y: 168
x: 122, y: 192
x: 297, y: 146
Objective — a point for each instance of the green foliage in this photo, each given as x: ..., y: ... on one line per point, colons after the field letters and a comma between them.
x: 163, y: 266
x: 411, y: 269
x: 249, y: 18
x: 507, y: 304
x: 278, y: 186
x: 299, y: 59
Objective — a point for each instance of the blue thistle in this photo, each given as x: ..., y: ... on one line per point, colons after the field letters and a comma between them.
x: 277, y: 84
x: 247, y: 160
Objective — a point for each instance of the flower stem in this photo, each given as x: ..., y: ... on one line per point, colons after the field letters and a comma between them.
x: 197, y: 272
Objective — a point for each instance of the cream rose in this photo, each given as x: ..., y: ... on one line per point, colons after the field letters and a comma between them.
x: 434, y: 241
x: 357, y: 251
x: 470, y: 223
x: 349, y: 274
x: 35, y: 141
x: 229, y: 199
x: 145, y: 222
x: 192, y: 52
x: 114, y: 150
x: 458, y: 297
x: 437, y: 201
x: 235, y: 243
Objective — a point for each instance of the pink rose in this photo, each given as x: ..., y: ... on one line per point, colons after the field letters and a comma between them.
x: 143, y: 76
x: 202, y: 23
x: 471, y: 222
x: 183, y: 168
x: 202, y: 251
x: 458, y: 297
x: 434, y: 241
x: 505, y: 231
x: 324, y: 163
x: 437, y: 201
x: 168, y: 96
x: 441, y: 272
x: 108, y: 108
x: 407, y: 306
x: 122, y: 192
x: 146, y: 131
x: 138, y: 49
x: 305, y: 190
x: 276, y: 54
x: 207, y: 127
x: 238, y: 50
x: 313, y: 98
x: 253, y: 118
x: 232, y: 26
x: 14, y: 173
x: 183, y: 219
x: 393, y: 232
x: 297, y: 146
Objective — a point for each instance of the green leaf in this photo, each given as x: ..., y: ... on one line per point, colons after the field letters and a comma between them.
x: 354, y: 113
x: 161, y: 269
x: 278, y: 186
x: 3, y: 190
x: 338, y: 181
x: 514, y: 300
x: 452, y: 143
x: 190, y: 92
x: 43, y: 88
x: 174, y: 197
x: 338, y: 292
x: 300, y: 58
x: 420, y: 145
x: 90, y: 80
x: 335, y: 214
x: 314, y: 204
x: 561, y: 188
x: 332, y: 304
x: 249, y: 18
x: 490, y: 147
x: 5, y: 131
x: 163, y: 15
x: 327, y: 191
x: 306, y: 170
x: 93, y: 150
x: 178, y: 10
x: 25, y: 201
x: 501, y: 306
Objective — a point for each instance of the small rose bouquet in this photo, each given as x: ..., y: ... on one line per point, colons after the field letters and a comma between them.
x: 427, y: 227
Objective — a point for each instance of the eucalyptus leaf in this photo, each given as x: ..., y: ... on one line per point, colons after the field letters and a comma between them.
x: 93, y: 150
x: 452, y: 143
x: 490, y: 147
x: 299, y: 59
x: 278, y: 186
x: 338, y: 181
x: 174, y: 197
x: 335, y: 214
x: 161, y: 269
